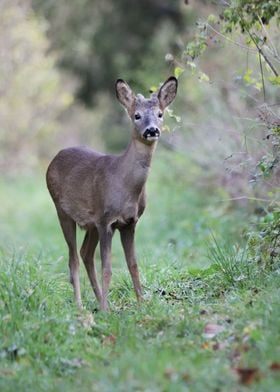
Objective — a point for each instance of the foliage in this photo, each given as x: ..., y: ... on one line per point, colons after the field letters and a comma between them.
x: 251, y: 18
x: 249, y: 14
x: 249, y: 27
x: 31, y: 89
x: 101, y: 41
x: 264, y: 242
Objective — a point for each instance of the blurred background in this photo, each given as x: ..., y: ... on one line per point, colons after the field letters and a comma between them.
x: 59, y: 62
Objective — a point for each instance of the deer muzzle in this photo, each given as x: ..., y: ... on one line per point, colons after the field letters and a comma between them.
x: 151, y: 133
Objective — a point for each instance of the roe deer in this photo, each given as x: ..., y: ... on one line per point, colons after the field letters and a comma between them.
x: 102, y: 192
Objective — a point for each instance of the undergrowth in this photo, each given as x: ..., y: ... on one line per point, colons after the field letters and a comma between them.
x: 209, y: 321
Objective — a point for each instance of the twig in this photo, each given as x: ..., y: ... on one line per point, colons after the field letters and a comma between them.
x: 270, y: 40
x: 261, y: 67
x: 231, y: 41
x: 261, y: 52
x: 247, y: 198
x: 259, y: 49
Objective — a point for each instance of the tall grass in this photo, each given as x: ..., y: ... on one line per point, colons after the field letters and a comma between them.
x: 232, y: 261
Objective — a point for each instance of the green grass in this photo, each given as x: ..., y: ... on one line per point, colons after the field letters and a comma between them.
x: 160, y: 345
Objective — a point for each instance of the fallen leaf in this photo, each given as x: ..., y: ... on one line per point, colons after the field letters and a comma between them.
x: 171, y: 373
x: 211, y: 330
x: 73, y: 363
x: 248, y: 375
x: 234, y: 356
x: 205, y: 346
x: 186, y: 377
x: 218, y: 346
x: 109, y: 340
x: 210, y: 345
x: 86, y: 320
x: 275, y: 366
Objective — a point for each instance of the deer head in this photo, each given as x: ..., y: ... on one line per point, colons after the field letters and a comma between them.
x: 147, y: 113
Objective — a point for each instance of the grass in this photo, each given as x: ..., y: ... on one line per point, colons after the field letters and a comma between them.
x: 161, y: 345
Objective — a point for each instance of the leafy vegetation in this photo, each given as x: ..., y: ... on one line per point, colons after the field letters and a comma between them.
x: 100, y: 41
x: 250, y: 27
x: 265, y: 242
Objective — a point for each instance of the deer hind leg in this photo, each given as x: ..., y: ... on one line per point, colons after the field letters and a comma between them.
x: 105, y: 236
x: 68, y: 226
x: 127, y: 239
x: 87, y: 253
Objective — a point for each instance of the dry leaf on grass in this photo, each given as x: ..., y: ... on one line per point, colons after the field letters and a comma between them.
x: 275, y: 366
x: 171, y: 373
x: 86, y: 320
x: 185, y: 377
x: 213, y: 345
x: 219, y: 346
x: 109, y: 340
x: 248, y: 375
x: 211, y: 330
x: 73, y: 362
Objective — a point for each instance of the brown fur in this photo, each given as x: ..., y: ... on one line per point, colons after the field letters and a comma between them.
x: 102, y: 192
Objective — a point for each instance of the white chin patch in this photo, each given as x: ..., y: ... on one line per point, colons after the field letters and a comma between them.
x: 152, y: 138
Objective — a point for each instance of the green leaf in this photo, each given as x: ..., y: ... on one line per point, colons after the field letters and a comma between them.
x: 178, y: 71
x: 172, y: 115
x: 258, y: 85
x: 203, y: 77
x: 212, y: 18
x: 166, y: 128
x: 247, y: 76
x: 192, y: 65
x: 153, y: 89
x: 275, y: 80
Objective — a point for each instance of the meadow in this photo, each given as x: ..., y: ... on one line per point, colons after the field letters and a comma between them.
x: 210, y: 320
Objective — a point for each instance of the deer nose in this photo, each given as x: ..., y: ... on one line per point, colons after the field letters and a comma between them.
x: 151, y: 133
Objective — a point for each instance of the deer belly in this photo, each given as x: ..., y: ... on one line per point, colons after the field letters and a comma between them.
x: 128, y: 214
x: 83, y: 215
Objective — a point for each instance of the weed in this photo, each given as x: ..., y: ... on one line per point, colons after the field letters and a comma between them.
x: 231, y: 261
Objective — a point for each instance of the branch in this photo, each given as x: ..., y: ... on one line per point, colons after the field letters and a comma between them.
x: 247, y: 198
x: 231, y: 41
x: 261, y: 67
x: 268, y: 62
x: 261, y: 52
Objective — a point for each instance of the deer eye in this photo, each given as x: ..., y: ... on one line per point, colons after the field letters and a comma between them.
x: 160, y: 114
x: 137, y: 116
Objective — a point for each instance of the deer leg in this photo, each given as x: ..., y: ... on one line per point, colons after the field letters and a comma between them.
x: 105, y: 236
x: 127, y: 239
x: 68, y: 226
x: 87, y: 253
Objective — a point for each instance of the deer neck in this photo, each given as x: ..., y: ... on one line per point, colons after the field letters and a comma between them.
x: 136, y: 162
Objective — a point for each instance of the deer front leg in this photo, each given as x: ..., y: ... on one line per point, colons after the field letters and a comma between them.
x: 105, y: 237
x: 127, y: 239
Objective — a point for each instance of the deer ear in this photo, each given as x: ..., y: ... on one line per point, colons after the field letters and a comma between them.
x: 167, y: 92
x: 125, y: 94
